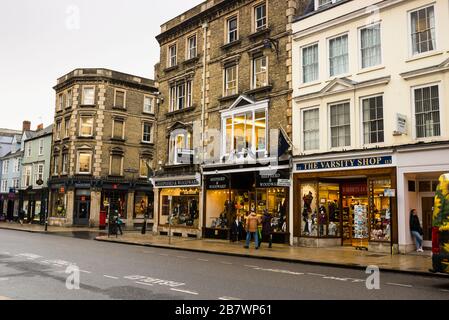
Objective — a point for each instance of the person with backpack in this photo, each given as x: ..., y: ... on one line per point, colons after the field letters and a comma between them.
x: 416, y: 230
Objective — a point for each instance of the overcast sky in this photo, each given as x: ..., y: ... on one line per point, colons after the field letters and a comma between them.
x: 45, y: 39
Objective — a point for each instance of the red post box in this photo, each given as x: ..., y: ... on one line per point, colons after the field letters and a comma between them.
x: 103, y: 216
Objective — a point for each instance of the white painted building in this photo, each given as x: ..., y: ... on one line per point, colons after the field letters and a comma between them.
x: 370, y: 112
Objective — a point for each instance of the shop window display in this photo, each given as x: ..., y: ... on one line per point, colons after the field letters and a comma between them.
x: 182, y: 205
x: 143, y: 204
x: 114, y: 200
x: 329, y: 218
x: 58, y: 205
x: 380, y: 208
x: 309, y: 211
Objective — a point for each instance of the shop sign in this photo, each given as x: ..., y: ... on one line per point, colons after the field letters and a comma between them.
x: 401, y: 125
x: 270, y: 180
x: 390, y: 193
x: 343, y: 164
x: 62, y: 190
x: 284, y: 183
x: 176, y: 183
x: 354, y: 189
x: 217, y: 183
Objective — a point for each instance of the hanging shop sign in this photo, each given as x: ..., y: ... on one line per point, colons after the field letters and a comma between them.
x: 344, y: 164
x: 217, y: 183
x: 390, y: 193
x: 272, y: 180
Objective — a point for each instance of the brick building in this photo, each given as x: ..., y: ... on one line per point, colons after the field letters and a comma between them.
x: 225, y: 79
x: 102, y: 145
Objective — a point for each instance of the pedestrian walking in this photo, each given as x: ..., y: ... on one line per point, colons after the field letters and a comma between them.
x: 119, y: 224
x: 267, y: 229
x: 416, y: 230
x: 252, y: 226
x: 21, y: 216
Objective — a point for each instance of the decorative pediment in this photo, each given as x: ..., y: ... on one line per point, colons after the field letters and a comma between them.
x: 85, y: 147
x: 241, y: 101
x: 444, y: 64
x: 339, y: 84
x: 180, y: 125
x: 117, y: 151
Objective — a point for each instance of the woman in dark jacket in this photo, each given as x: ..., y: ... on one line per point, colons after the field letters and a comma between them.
x: 267, y: 230
x: 416, y: 230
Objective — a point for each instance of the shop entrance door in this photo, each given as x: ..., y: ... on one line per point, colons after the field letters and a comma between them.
x: 427, y: 204
x: 82, y: 211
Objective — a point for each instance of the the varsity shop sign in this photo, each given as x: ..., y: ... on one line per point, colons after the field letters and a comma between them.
x: 345, y: 164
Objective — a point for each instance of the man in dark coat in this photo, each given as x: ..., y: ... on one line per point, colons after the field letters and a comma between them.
x: 267, y: 229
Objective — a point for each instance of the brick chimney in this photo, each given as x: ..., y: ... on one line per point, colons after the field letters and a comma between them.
x: 40, y: 127
x: 26, y: 126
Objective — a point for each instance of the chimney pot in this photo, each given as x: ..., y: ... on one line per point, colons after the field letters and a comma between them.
x: 26, y: 126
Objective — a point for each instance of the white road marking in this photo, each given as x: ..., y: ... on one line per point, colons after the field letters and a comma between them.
x: 4, y: 279
x: 163, y: 254
x: 204, y: 260
x: 316, y: 274
x: 249, y: 266
x: 110, y: 277
x: 29, y: 256
x: 44, y: 262
x: 444, y: 290
x: 224, y: 262
x: 400, y: 285
x: 185, y: 291
x: 84, y: 271
x: 280, y: 271
x: 160, y: 282
x: 181, y: 257
x: 145, y: 284
x: 6, y: 253
x: 228, y: 298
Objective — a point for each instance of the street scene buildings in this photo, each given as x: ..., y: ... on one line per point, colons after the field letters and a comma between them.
x: 312, y: 111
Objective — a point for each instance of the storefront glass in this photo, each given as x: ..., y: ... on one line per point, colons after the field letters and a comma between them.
x: 59, y: 204
x: 143, y: 204
x: 329, y: 214
x: 380, y: 210
x: 182, y: 204
x: 309, y: 209
x: 114, y: 200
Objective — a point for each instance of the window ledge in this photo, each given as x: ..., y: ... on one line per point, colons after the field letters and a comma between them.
x: 259, y: 33
x: 119, y: 140
x: 192, y: 60
x: 258, y: 90
x: 148, y: 113
x: 147, y: 143
x: 171, y: 68
x: 227, y: 98
x: 231, y: 44
x: 424, y: 55
x: 371, y: 69
x: 309, y: 84
x: 172, y: 113
x: 119, y: 108
x: 88, y: 106
x: 66, y: 139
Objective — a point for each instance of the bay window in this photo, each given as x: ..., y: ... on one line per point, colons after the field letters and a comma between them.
x: 245, y: 132
x: 88, y: 96
x: 86, y: 126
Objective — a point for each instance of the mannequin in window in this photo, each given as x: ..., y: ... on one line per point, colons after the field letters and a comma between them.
x: 322, y: 219
x: 237, y: 230
x: 308, y: 199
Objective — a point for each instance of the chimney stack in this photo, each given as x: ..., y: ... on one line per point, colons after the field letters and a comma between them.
x: 26, y: 126
x: 40, y: 127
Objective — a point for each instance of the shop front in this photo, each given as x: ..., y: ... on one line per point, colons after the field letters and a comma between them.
x: 34, y: 204
x: 346, y: 202
x: 232, y: 195
x: 419, y: 168
x: 178, y: 206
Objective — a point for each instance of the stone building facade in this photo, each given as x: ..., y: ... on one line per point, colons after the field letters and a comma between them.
x: 102, y: 147
x: 235, y: 60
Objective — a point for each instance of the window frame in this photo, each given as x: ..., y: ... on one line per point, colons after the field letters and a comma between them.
x: 225, y: 80
x: 362, y: 121
x: 189, y: 49
x: 143, y: 159
x: 441, y: 111
x: 41, y: 147
x: 359, y: 31
x: 174, y: 95
x: 329, y: 55
x: 255, y: 19
x: 303, y: 140
x: 78, y: 167
x: 67, y: 128
x: 114, y: 120
x: 254, y: 74
x: 55, y: 164
x: 152, y: 99
x: 4, y: 186
x: 231, y: 114
x: 83, y: 91
x: 66, y: 164
x: 228, y: 30
x: 151, y: 133
x: 124, y: 98
x: 81, y: 126
x: 410, y: 38
x: 302, y: 62
x: 58, y: 130
x: 329, y: 107
x: 111, y: 158
x: 37, y: 175
x: 170, y: 57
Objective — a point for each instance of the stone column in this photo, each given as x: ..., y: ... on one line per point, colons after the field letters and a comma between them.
x: 70, y: 207
x: 95, y: 206
x: 156, y: 211
x: 130, y: 210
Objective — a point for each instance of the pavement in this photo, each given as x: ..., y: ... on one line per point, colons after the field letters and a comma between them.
x: 348, y: 257
x: 36, y: 266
